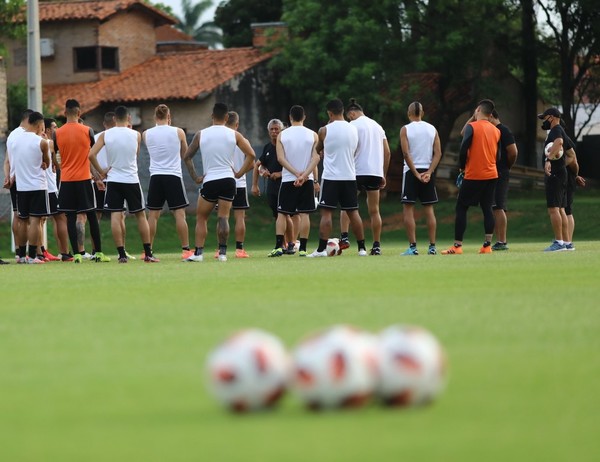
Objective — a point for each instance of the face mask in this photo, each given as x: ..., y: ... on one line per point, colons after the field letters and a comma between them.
x: 546, y: 125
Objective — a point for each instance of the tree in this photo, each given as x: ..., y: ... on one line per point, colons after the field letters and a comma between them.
x: 12, y: 29
x: 192, y: 13
x: 235, y: 16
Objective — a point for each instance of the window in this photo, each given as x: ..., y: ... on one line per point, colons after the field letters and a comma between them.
x: 96, y: 58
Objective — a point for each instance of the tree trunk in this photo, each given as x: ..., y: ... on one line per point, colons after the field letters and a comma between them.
x: 530, y: 75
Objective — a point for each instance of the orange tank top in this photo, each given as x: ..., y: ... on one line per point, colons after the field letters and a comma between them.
x: 73, y: 140
x: 482, y: 155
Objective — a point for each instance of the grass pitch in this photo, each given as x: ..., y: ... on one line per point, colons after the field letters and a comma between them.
x: 105, y: 362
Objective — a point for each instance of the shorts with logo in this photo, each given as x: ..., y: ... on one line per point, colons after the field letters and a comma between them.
x: 501, y: 193
x: 13, y: 196
x: 223, y: 189
x: 240, y: 201
x: 477, y: 192
x: 169, y: 189
x: 571, y: 186
x: 342, y: 192
x: 556, y: 189
x: 368, y: 183
x: 76, y: 196
x: 413, y: 189
x: 53, y: 202
x: 117, y: 193
x: 100, y: 196
x: 33, y: 203
x: 294, y: 199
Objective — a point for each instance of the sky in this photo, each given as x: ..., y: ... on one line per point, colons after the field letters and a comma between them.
x: 176, y: 5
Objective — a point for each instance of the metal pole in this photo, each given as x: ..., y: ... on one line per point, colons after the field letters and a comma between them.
x: 34, y: 62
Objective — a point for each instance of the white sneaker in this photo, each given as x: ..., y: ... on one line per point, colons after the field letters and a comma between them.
x: 34, y: 261
x: 316, y: 254
x: 222, y: 257
x: 362, y: 253
x: 87, y: 256
x: 195, y: 258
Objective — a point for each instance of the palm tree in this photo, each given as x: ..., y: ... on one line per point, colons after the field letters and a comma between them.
x: 205, y: 32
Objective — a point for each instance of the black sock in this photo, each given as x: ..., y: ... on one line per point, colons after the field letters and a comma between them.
x: 432, y: 244
x: 82, y: 252
x: 239, y: 245
x: 279, y: 241
x: 487, y: 243
x: 186, y: 247
x: 198, y: 250
x: 42, y: 249
x: 222, y: 249
x: 322, y: 245
x: 121, y: 251
x: 361, y: 244
x: 457, y: 245
x: 413, y: 245
x: 147, y: 249
x: 303, y: 242
x: 32, y: 251
x: 376, y: 244
x: 22, y: 251
x: 344, y: 235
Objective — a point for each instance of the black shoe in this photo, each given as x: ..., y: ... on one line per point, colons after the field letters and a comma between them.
x: 376, y: 251
x: 290, y: 250
x: 2, y: 262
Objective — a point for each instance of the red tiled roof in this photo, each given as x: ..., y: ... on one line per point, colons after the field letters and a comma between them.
x: 100, y: 10
x: 168, y: 33
x: 183, y: 76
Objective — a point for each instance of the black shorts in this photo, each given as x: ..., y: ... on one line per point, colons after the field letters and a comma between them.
x: 219, y: 189
x: 13, y: 196
x: 477, y: 192
x: 76, y: 196
x: 100, y: 196
x: 240, y: 201
x: 368, y: 183
x: 273, y: 200
x: 556, y: 190
x: 169, y: 189
x: 501, y: 193
x: 413, y: 189
x: 335, y: 192
x: 53, y: 201
x: 571, y: 185
x: 33, y: 203
x: 294, y: 200
x: 117, y: 193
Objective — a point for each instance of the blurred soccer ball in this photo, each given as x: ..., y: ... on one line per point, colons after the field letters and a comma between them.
x: 548, y: 148
x: 249, y: 371
x: 412, y: 366
x: 335, y: 368
x: 333, y: 247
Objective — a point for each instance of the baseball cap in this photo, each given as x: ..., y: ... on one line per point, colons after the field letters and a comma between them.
x: 552, y: 111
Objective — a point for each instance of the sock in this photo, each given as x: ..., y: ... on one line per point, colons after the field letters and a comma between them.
x: 487, y: 243
x: 457, y: 245
x: 413, y: 245
x: 121, y: 251
x: 22, y: 251
x: 198, y: 250
x: 222, y: 249
x: 279, y: 241
x: 376, y: 244
x: 147, y: 249
x: 42, y: 249
x: 344, y: 236
x: 239, y: 245
x: 303, y: 242
x: 561, y: 242
x: 32, y: 251
x: 361, y: 244
x: 432, y: 244
x: 568, y: 242
x: 82, y: 252
x: 291, y: 245
x: 185, y: 247
x: 322, y: 245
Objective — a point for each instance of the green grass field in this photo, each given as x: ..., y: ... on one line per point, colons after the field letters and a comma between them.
x: 104, y: 362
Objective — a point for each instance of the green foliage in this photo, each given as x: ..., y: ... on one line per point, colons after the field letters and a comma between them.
x: 9, y: 28
x: 235, y: 16
x: 161, y: 6
x: 192, y: 13
x: 17, y: 103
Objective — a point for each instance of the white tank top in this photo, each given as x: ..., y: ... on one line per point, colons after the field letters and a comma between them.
x: 297, y: 142
x: 121, y: 154
x: 369, y: 158
x: 51, y: 176
x: 101, y: 157
x: 27, y: 158
x: 10, y: 141
x: 421, y: 136
x: 238, y: 160
x: 217, y: 146
x: 164, y: 148
x: 341, y: 142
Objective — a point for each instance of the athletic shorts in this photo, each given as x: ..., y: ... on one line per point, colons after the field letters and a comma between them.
x: 76, y: 196
x: 169, y: 189
x: 272, y: 201
x: 33, y: 203
x: 501, y: 193
x: 477, y: 192
x: 571, y: 185
x: 53, y: 201
x: 117, y: 193
x: 335, y: 192
x: 223, y: 188
x: 294, y: 200
x: 13, y: 196
x: 100, y: 196
x: 556, y: 190
x: 413, y: 189
x: 240, y: 201
x: 368, y: 183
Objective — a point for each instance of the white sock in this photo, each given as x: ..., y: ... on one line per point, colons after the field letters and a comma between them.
x: 561, y: 242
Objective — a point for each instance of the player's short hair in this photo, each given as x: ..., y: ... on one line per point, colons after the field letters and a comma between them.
x: 495, y: 114
x: 161, y: 112
x: 275, y: 122
x: 353, y: 106
x: 297, y: 113
x: 25, y: 114
x: 335, y: 106
x: 48, y: 121
x: 220, y: 111
x: 415, y: 108
x: 487, y: 106
x: 121, y: 113
x: 72, y: 107
x: 232, y: 119
x: 109, y: 119
x: 35, y: 117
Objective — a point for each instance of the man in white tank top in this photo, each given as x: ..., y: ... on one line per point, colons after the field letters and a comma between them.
x: 30, y: 158
x: 217, y: 145
x: 122, y: 181
x: 422, y: 153
x: 297, y: 154
x: 372, y: 162
x: 338, y: 143
x: 166, y: 147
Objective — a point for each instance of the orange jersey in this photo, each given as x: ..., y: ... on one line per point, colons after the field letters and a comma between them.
x: 483, y: 152
x: 73, y: 142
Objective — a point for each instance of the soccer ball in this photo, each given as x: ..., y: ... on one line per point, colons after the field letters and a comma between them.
x: 333, y: 247
x: 548, y: 148
x: 412, y: 366
x: 248, y: 371
x: 335, y: 368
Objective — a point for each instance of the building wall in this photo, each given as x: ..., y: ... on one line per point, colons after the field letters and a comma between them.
x: 3, y: 101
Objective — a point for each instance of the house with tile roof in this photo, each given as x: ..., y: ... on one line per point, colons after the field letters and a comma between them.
x: 109, y: 52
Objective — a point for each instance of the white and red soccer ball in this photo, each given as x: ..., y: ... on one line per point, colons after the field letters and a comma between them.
x: 412, y: 366
x: 333, y: 247
x: 249, y: 371
x: 548, y: 148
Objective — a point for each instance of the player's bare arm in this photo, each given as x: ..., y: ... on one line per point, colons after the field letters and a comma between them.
x: 386, y: 163
x: 404, y: 144
x: 321, y: 142
x: 94, y: 156
x: 7, y: 178
x: 282, y: 159
x: 189, y: 155
x: 182, y: 141
x: 45, y: 153
x: 249, y: 154
x: 255, y: 174
x: 511, y: 154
